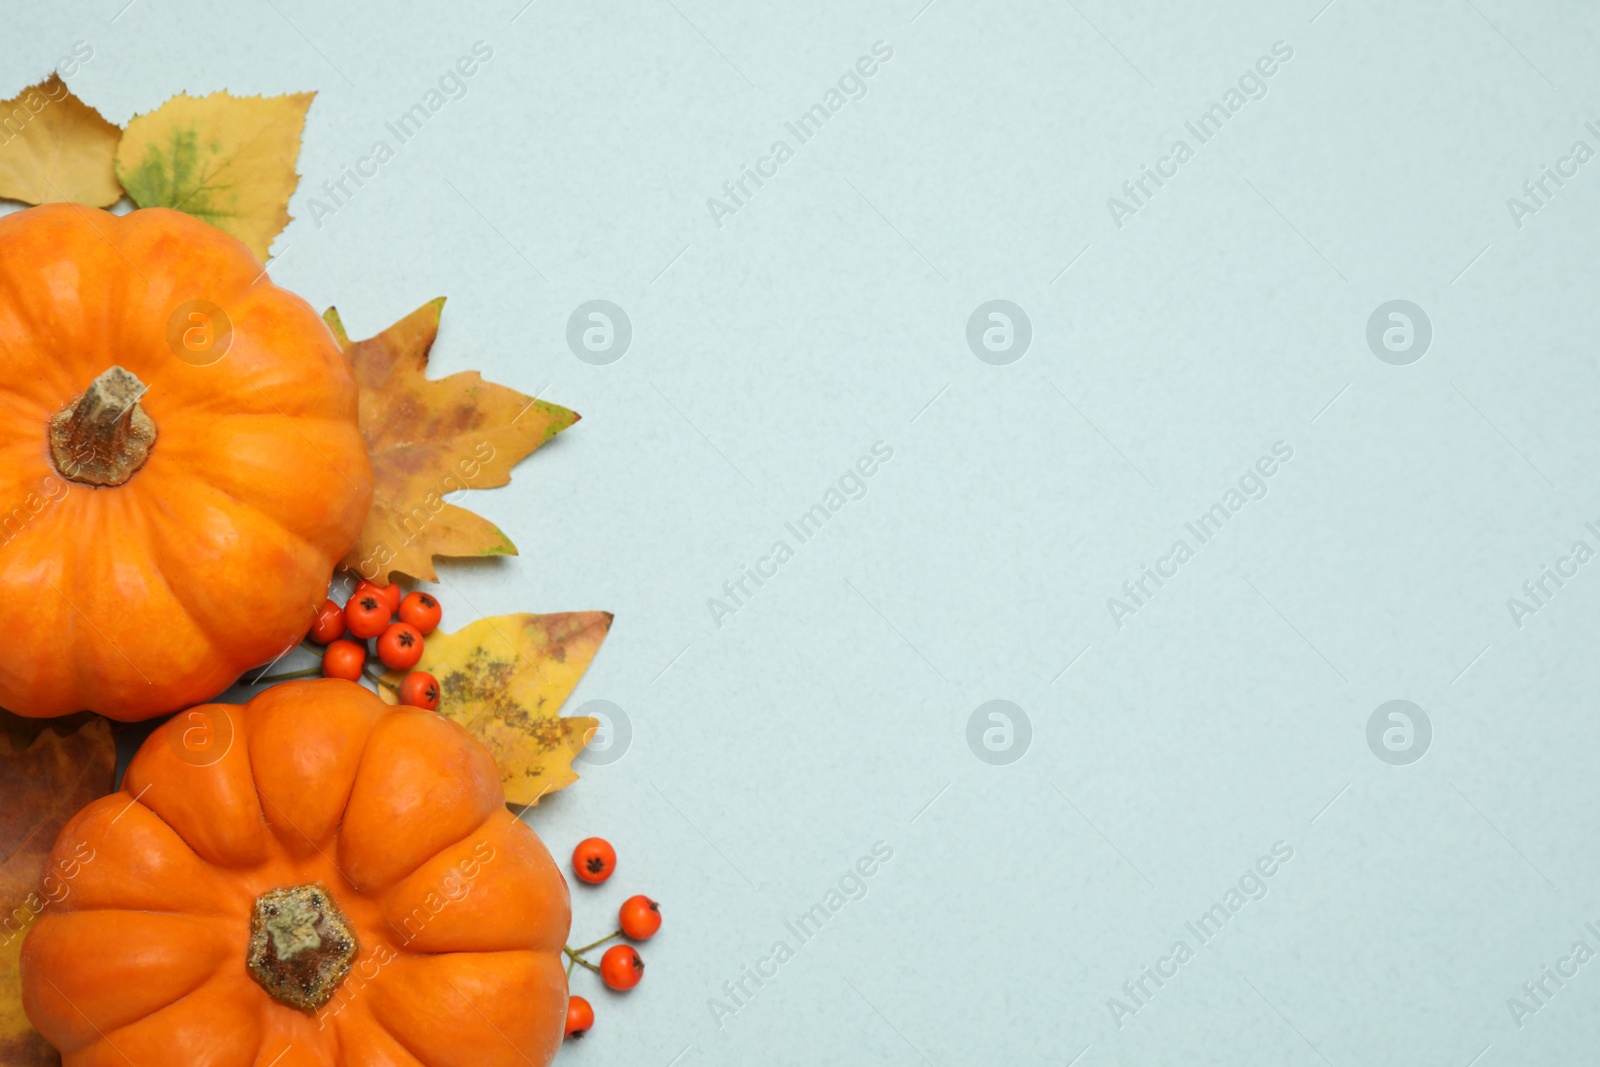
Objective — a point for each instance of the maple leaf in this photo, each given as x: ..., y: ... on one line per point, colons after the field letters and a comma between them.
x: 429, y: 439
x: 226, y: 159
x: 505, y: 678
x: 48, y: 771
x: 54, y: 147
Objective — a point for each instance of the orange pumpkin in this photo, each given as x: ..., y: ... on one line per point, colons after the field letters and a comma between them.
x: 180, y: 464
x: 314, y: 878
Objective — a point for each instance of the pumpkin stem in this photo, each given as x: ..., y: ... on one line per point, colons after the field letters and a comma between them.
x: 301, y: 946
x: 103, y: 436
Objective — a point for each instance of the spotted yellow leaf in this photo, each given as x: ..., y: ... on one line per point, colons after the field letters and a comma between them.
x: 226, y: 159
x: 54, y: 147
x: 505, y: 678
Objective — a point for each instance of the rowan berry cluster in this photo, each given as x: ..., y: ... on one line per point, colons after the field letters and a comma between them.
x: 620, y: 968
x: 395, y: 625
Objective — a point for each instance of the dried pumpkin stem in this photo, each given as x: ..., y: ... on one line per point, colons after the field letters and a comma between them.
x: 102, y: 437
x: 301, y: 946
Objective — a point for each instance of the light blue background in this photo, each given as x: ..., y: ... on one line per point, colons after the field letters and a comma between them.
x: 830, y: 312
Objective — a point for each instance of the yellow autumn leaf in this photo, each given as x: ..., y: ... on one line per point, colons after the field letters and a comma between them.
x: 54, y: 147
x: 505, y: 678
x: 20, y: 1043
x: 229, y: 160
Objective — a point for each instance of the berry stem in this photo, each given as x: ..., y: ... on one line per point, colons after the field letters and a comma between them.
x: 597, y: 944
x: 284, y: 676
x: 381, y: 680
x: 579, y: 960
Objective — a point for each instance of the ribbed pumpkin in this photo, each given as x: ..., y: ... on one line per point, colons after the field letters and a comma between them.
x: 314, y: 878
x: 180, y: 463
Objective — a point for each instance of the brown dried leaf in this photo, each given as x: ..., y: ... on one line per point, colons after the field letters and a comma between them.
x: 429, y: 439
x: 54, y: 147
x: 48, y: 771
x: 505, y: 678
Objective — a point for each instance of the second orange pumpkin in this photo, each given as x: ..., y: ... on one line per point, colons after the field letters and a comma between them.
x: 314, y: 879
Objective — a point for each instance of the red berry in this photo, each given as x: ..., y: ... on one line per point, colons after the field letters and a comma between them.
x: 329, y: 625
x: 639, y: 917
x: 400, y: 647
x: 390, y: 593
x: 344, y: 659
x: 621, y: 967
x: 580, y: 1016
x: 594, y: 859
x: 420, y: 689
x: 367, y: 614
x: 421, y: 611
